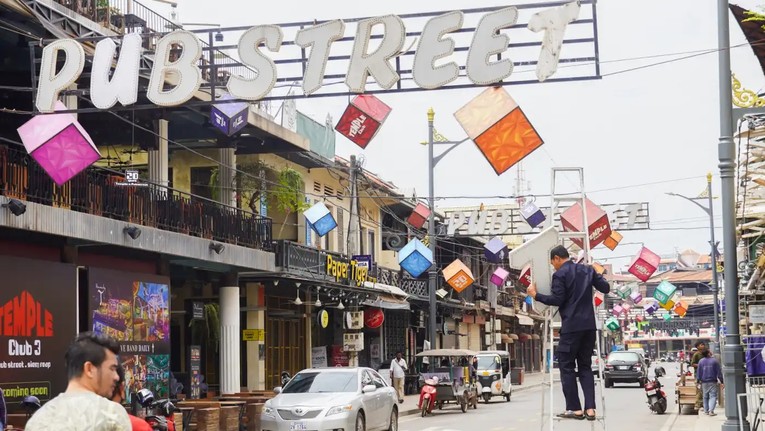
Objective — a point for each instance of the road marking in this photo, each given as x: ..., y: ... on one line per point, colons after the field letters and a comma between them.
x: 669, y: 422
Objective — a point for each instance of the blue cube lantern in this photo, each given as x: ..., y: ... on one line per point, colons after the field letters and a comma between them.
x: 320, y: 218
x: 229, y: 117
x: 664, y: 291
x: 415, y: 258
x: 532, y: 214
x: 495, y: 250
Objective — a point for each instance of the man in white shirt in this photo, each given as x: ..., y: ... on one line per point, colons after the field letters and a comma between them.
x: 91, y: 363
x: 397, y: 374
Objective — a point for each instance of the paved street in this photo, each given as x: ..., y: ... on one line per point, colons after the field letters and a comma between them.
x: 626, y: 410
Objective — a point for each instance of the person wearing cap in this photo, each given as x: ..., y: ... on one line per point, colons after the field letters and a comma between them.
x: 699, y: 352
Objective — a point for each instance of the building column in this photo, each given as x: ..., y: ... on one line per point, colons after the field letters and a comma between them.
x: 226, y: 175
x: 230, y: 340
x: 256, y: 319
x: 158, y: 156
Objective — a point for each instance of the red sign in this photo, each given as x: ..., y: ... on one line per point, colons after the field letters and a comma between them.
x: 373, y: 318
x: 339, y: 357
x: 644, y: 264
x: 362, y: 119
x: 525, y: 278
x: 23, y: 316
x: 599, y: 229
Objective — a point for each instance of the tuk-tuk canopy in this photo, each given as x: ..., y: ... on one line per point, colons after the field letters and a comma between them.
x: 502, y: 353
x: 446, y: 352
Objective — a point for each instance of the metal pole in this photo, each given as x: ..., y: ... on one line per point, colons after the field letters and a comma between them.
x: 715, y: 282
x: 431, y: 234
x: 733, y: 353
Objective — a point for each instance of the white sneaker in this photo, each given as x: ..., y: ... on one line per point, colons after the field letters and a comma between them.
x: 712, y: 414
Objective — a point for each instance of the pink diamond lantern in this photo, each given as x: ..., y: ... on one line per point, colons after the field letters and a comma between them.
x: 499, y: 277
x: 59, y: 144
x: 644, y: 264
x: 617, y: 310
x: 362, y: 119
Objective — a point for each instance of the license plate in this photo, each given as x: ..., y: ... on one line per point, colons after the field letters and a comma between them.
x: 297, y: 426
x: 651, y: 392
x: 622, y: 368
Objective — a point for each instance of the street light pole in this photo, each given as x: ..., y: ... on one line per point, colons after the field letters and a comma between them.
x: 715, y: 282
x: 431, y: 234
x: 733, y: 353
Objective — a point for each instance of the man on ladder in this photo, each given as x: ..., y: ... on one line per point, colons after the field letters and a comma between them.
x: 571, y: 292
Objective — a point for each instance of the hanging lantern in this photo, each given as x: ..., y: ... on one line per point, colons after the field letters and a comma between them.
x: 626, y: 307
x: 532, y: 214
x: 59, y: 144
x: 640, y: 319
x: 667, y: 317
x: 499, y: 277
x: 652, y: 307
x: 495, y: 250
x: 681, y: 308
x: 599, y: 228
x: 612, y: 324
x: 664, y: 291
x: 320, y: 219
x: 613, y: 240
x: 644, y: 264
x: 598, y: 268
x: 229, y: 117
x: 362, y: 119
x: 624, y: 291
x: 458, y: 275
x: 525, y: 278
x: 599, y: 298
x: 419, y: 216
x: 529, y: 301
x: 617, y: 310
x: 636, y: 297
x: 415, y: 258
x: 499, y: 128
x: 669, y: 304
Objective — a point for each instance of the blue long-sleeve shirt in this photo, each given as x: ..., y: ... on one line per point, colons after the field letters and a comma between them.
x: 571, y: 292
x: 709, y: 371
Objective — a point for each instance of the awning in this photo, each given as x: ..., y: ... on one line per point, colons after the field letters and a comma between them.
x: 525, y: 320
x: 387, y: 301
x: 386, y: 288
x: 513, y: 336
x: 507, y: 339
x: 524, y: 337
x: 534, y: 336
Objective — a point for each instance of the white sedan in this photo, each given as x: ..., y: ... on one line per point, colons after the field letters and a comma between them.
x: 332, y: 398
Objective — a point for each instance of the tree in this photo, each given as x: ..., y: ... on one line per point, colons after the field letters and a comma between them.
x: 247, y: 184
x: 289, y: 194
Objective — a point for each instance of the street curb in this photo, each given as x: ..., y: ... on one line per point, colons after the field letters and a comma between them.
x: 515, y: 389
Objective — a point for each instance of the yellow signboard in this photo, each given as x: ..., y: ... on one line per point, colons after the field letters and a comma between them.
x: 253, y: 334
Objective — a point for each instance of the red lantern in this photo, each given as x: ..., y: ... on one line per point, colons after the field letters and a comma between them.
x: 599, y: 299
x: 525, y: 278
x: 599, y: 228
x: 419, y: 216
x: 644, y: 264
x: 373, y: 318
x: 362, y: 119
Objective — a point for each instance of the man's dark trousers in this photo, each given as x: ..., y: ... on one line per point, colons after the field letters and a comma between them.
x: 575, y: 351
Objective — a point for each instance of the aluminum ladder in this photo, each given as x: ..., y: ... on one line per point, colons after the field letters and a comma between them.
x: 550, y: 314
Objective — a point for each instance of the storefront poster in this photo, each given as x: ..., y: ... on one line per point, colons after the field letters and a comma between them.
x: 135, y: 309
x: 38, y: 315
x: 319, y: 357
x: 339, y: 357
x: 195, y: 366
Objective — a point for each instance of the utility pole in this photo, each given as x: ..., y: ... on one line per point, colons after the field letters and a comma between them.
x: 715, y: 282
x: 353, y: 224
x: 733, y: 351
x: 431, y: 234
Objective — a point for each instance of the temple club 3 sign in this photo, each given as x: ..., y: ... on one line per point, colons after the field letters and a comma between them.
x: 536, y: 253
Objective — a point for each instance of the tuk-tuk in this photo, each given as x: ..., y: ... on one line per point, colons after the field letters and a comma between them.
x: 493, y: 374
x: 450, y: 369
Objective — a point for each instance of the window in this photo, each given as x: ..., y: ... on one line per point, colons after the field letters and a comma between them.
x: 322, y: 382
x: 371, y: 243
x: 200, y: 181
x: 366, y: 379
x: 379, y: 382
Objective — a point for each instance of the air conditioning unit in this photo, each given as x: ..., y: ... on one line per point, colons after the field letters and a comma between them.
x: 353, y: 342
x: 355, y: 320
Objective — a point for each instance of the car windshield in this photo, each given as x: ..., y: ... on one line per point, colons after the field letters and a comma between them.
x: 321, y: 382
x: 623, y: 357
x: 488, y: 362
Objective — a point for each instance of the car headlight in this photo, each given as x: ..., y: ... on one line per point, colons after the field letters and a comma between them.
x: 339, y: 409
x: 268, y: 411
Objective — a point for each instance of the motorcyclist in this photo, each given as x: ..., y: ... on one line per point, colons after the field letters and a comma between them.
x: 118, y: 397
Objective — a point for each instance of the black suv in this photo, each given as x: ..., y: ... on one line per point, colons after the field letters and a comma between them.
x: 625, y: 367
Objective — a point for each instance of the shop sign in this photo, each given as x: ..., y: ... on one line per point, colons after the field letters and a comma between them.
x: 319, y: 357
x: 195, y: 365
x: 348, y: 272
x: 434, y: 43
x: 363, y: 260
x: 322, y: 318
x: 253, y: 334
x: 197, y: 310
x: 38, y: 315
x: 373, y: 318
x: 135, y: 309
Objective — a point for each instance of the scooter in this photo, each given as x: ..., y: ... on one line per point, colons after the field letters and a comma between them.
x: 657, y: 398
x: 428, y: 396
x: 163, y: 409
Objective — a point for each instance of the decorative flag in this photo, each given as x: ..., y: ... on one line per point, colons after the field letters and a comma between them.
x: 599, y: 228
x: 415, y: 258
x: 362, y: 119
x: 230, y: 117
x: 59, y: 144
x: 613, y: 240
x: 419, y: 216
x: 495, y: 250
x: 532, y: 214
x: 500, y: 129
x: 500, y: 277
x: 458, y: 275
x: 320, y: 218
x: 644, y: 264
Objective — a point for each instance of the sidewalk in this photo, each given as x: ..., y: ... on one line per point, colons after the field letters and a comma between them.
x: 530, y: 381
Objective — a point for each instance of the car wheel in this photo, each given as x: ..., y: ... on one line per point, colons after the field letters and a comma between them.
x: 393, y: 426
x: 507, y: 396
x: 486, y: 398
x: 361, y: 424
x: 609, y: 383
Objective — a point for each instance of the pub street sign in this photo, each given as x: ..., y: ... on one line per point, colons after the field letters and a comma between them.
x: 487, y: 62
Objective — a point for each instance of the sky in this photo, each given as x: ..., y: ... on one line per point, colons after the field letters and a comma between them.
x: 639, y: 134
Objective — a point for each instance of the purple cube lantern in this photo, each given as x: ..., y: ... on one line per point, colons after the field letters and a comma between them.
x: 617, y: 310
x: 652, y: 307
x: 499, y: 277
x: 229, y: 117
x: 59, y: 144
x: 636, y: 297
x: 532, y: 214
x: 495, y: 250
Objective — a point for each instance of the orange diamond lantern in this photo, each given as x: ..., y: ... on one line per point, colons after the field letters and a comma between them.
x: 613, y: 240
x: 458, y: 275
x: 500, y: 129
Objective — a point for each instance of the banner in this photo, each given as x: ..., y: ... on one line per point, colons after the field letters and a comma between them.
x: 38, y: 315
x: 135, y: 309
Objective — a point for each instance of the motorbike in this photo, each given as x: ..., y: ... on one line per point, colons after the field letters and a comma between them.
x: 657, y: 398
x: 162, y: 410
x: 428, y: 396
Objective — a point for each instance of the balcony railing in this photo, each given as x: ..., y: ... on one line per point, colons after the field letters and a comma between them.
x: 312, y: 262
x: 96, y: 192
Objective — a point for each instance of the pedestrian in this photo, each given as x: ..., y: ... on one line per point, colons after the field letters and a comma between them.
x: 397, y: 374
x: 708, y: 375
x: 700, y: 353
x: 3, y: 411
x: 571, y: 292
x: 91, y: 364
x: 136, y: 423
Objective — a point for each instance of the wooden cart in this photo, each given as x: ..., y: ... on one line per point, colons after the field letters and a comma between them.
x: 685, y: 390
